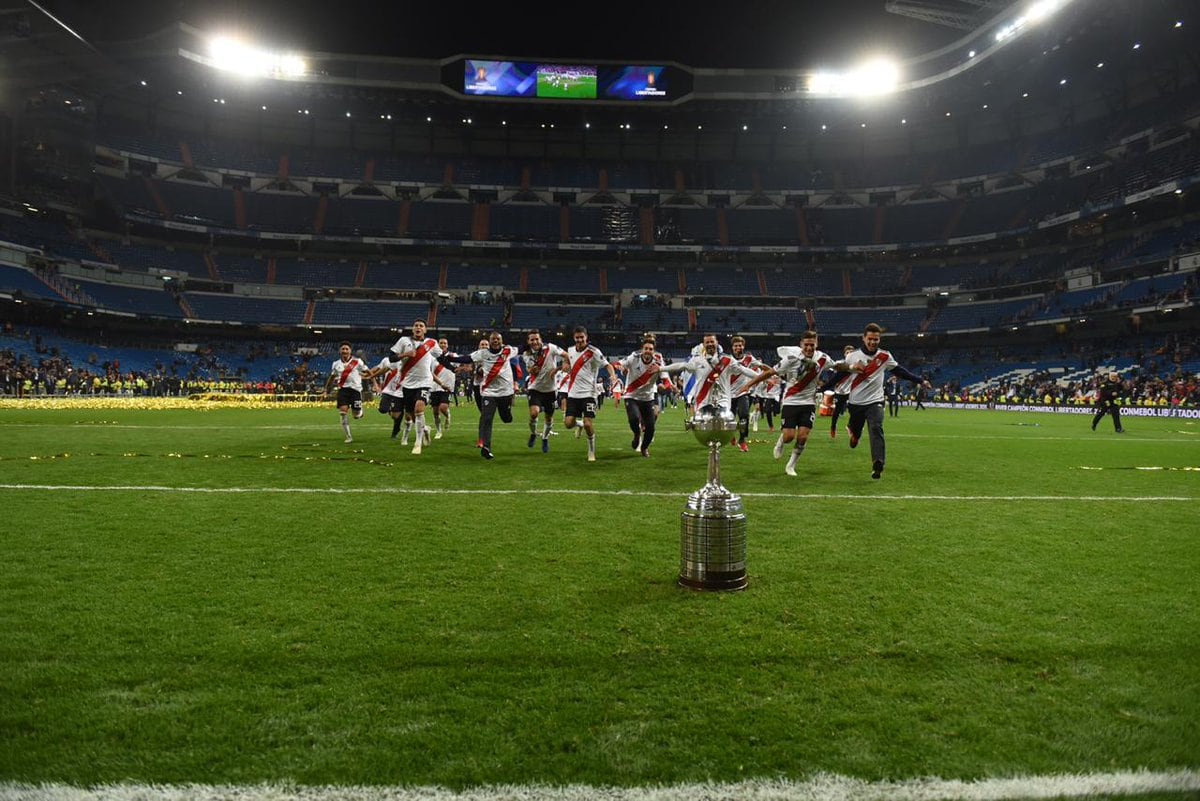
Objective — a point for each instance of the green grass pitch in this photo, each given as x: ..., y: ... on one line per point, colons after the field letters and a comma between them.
x: 582, y: 87
x: 1017, y: 595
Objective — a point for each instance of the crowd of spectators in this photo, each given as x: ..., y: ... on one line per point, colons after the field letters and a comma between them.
x: 1156, y: 378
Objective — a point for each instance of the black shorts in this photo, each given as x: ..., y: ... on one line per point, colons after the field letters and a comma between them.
x: 581, y: 407
x: 544, y: 400
x: 561, y: 397
x: 412, y: 395
x: 349, y: 397
x: 799, y: 416
x: 439, y: 397
x: 740, y: 406
x: 389, y: 403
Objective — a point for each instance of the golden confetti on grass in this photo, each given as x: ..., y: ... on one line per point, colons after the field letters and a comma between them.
x: 206, y: 402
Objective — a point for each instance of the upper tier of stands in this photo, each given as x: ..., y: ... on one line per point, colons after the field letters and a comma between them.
x: 872, y: 171
x: 934, y: 218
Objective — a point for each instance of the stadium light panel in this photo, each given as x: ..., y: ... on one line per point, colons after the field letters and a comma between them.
x: 1042, y: 9
x: 231, y: 55
x: 876, y: 77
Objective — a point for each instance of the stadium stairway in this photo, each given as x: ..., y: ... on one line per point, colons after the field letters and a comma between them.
x: 802, y: 226
x: 185, y: 307
x: 157, y: 197
x: 956, y: 215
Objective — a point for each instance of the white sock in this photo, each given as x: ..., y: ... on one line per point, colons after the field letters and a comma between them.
x: 419, y: 428
x: 345, y: 423
x: 546, y: 430
x: 591, y: 443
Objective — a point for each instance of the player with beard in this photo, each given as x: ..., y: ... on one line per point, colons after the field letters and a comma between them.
x: 582, y: 364
x: 347, y: 372
x: 712, y: 373
x: 799, y: 369
x: 496, y: 388
x: 417, y: 356
x: 740, y: 387
x: 642, y: 369
x: 871, y: 364
x: 541, y: 362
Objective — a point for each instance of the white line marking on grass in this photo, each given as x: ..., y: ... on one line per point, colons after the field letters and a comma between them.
x: 822, y: 787
x: 604, y: 493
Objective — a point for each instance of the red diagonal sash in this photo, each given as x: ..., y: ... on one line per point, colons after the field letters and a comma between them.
x: 437, y: 372
x: 415, y: 359
x: 871, y: 368
x: 350, y: 365
x: 496, y: 368
x: 711, y: 379
x: 583, y: 359
x: 806, y: 379
x: 643, y: 379
x: 536, y: 369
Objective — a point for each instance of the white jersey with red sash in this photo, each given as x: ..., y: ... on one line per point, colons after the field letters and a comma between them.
x: 497, y: 371
x: 390, y: 383
x: 416, y: 370
x: 443, y: 378
x: 842, y: 387
x: 348, y: 375
x: 560, y: 381
x: 800, y: 377
x: 713, y: 377
x: 641, y: 378
x: 737, y: 386
x: 583, y: 366
x: 541, y: 366
x: 867, y: 387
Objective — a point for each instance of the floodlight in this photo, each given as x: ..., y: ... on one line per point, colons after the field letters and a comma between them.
x: 875, y: 77
x: 232, y: 55
x: 1042, y: 9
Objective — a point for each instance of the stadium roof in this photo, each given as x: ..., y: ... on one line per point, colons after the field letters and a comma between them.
x: 757, y: 34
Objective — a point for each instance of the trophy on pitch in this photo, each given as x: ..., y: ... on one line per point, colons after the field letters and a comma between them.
x: 712, y: 529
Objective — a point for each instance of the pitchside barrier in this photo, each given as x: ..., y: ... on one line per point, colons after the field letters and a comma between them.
x: 1172, y: 412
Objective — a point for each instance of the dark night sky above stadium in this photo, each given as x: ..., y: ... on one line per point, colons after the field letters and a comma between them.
x: 751, y: 33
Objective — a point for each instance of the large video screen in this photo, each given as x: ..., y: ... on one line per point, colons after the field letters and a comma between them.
x: 500, y: 78
x: 633, y: 83
x: 619, y: 83
x: 569, y: 81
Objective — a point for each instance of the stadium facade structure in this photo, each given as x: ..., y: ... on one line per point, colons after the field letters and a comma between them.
x: 996, y: 201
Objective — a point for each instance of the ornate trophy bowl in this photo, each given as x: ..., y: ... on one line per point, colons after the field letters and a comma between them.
x: 712, y: 529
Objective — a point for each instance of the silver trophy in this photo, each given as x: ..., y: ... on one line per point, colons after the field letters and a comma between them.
x: 712, y: 529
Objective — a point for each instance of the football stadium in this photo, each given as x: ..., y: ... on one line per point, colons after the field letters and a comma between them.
x: 778, y: 402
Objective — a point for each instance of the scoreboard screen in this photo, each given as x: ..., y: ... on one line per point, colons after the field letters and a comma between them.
x: 499, y: 78
x: 635, y: 83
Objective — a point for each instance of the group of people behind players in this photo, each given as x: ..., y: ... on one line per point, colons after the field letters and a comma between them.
x: 420, y: 372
